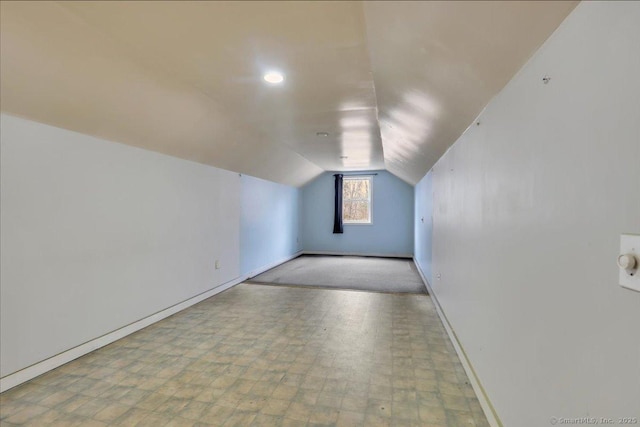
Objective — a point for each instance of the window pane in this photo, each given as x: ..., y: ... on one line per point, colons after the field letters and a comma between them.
x: 355, y: 211
x: 355, y: 189
x: 356, y: 199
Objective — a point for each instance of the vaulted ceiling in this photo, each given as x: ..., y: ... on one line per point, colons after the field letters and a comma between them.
x: 393, y: 84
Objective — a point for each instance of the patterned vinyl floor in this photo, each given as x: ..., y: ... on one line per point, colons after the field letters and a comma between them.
x: 265, y: 356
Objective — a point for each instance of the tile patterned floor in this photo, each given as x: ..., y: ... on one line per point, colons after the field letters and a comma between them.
x: 265, y: 356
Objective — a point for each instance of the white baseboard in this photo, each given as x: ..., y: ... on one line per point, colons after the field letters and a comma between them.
x: 60, y: 359
x: 254, y: 273
x: 67, y: 356
x: 487, y: 407
x: 357, y: 254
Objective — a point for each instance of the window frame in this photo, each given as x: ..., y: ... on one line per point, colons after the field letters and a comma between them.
x: 370, y: 199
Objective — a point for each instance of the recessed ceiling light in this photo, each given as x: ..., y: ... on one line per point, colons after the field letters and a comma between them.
x: 273, y: 77
x: 322, y: 134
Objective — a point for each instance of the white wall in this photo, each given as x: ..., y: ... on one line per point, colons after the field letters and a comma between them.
x: 528, y: 210
x: 423, y: 225
x: 96, y: 235
x: 269, y: 224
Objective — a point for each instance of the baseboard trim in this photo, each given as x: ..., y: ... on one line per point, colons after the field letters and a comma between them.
x: 485, y: 403
x: 410, y: 256
x: 39, y: 368
x: 30, y: 372
x: 254, y: 273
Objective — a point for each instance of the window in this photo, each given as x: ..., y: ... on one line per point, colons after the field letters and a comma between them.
x: 356, y: 199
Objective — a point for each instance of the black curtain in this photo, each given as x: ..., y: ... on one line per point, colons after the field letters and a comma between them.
x: 337, y: 216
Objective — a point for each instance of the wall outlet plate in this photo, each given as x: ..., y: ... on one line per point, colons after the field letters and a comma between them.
x: 630, y: 244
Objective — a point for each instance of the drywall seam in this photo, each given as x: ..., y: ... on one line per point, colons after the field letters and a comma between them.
x: 483, y: 399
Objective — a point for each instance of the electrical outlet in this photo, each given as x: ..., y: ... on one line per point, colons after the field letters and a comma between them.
x: 217, y: 264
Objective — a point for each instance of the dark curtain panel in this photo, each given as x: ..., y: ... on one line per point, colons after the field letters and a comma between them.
x: 337, y: 216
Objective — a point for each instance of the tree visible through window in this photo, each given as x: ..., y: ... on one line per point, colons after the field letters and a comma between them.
x: 356, y: 200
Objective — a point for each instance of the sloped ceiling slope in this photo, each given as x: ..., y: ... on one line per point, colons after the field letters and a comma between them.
x: 436, y: 64
x: 393, y: 84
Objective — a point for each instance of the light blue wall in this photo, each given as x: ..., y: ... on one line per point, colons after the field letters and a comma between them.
x: 424, y: 224
x: 393, y: 216
x: 269, y: 223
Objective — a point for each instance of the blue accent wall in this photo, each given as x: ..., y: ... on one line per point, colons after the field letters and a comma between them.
x: 393, y: 215
x: 269, y: 223
x: 424, y: 224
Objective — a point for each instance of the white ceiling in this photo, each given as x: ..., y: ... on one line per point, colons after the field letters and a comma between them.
x: 393, y: 83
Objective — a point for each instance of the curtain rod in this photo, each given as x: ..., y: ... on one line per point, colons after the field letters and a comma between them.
x: 355, y: 174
